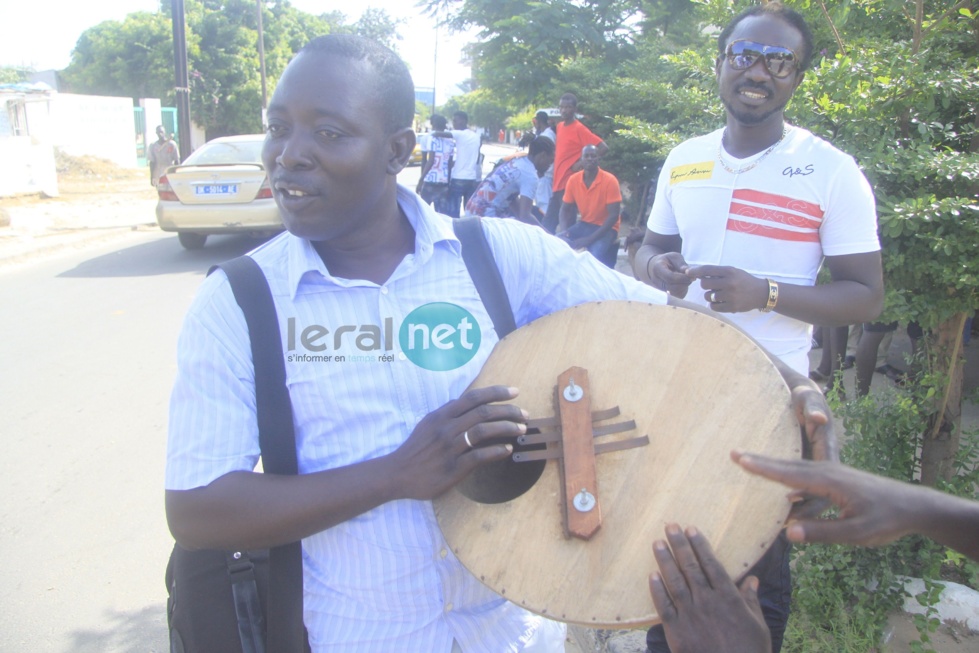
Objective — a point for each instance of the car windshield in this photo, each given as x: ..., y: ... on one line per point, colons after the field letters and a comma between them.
x: 227, y: 152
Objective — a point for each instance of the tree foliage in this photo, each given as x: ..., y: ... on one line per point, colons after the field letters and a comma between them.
x: 134, y: 57
x: 14, y: 74
x: 522, y: 43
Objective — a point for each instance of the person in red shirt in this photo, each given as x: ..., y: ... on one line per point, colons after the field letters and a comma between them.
x: 595, y: 194
x: 572, y: 135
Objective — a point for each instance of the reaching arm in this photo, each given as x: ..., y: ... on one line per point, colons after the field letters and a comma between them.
x: 525, y: 211
x: 856, y: 293
x: 873, y: 510
x: 700, y: 607
x: 427, y: 161
x: 250, y: 510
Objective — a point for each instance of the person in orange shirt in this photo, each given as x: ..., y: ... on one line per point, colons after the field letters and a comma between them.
x: 572, y: 135
x: 595, y: 194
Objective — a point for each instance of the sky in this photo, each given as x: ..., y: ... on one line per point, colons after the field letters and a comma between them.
x: 42, y: 33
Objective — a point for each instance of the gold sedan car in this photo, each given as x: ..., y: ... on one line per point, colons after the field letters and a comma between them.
x: 416, y: 156
x: 221, y: 188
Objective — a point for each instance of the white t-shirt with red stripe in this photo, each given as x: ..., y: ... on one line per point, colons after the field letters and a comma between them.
x: 803, y: 201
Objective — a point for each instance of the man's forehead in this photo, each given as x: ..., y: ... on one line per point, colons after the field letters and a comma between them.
x: 767, y: 30
x: 313, y: 75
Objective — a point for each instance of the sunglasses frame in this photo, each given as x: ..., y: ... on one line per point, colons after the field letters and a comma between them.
x: 763, y: 52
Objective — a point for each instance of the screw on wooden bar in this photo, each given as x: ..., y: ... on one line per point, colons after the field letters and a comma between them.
x: 578, y: 456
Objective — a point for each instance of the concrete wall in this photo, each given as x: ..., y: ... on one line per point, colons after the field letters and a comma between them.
x: 89, y: 125
x: 26, y: 167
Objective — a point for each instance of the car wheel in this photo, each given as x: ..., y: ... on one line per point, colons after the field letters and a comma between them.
x: 191, y: 241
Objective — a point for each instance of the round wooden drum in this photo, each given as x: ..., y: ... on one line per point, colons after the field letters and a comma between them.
x: 696, y: 387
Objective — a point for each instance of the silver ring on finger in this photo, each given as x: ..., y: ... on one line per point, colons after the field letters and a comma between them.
x: 712, y: 297
x: 465, y: 436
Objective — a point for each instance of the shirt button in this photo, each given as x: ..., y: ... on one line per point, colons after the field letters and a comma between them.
x: 443, y: 553
x: 401, y: 356
x: 448, y: 607
x: 384, y: 290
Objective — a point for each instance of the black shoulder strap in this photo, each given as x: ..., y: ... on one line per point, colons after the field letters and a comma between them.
x: 277, y: 439
x: 485, y: 274
x: 275, y: 428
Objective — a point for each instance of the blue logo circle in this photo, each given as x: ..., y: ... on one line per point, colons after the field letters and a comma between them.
x: 439, y: 336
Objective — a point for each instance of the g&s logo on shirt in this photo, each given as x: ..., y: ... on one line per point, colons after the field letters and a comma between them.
x: 439, y: 336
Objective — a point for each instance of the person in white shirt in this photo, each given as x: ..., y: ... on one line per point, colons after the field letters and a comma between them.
x: 466, y: 170
x: 383, y: 420
x: 433, y: 182
x: 744, y: 218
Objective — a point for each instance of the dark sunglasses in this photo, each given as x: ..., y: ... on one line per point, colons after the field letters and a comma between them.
x: 781, y: 62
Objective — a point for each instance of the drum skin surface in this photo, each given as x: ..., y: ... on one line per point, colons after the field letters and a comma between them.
x: 698, y: 388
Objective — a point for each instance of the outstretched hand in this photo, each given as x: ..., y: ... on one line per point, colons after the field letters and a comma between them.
x: 698, y: 603
x: 873, y: 509
x: 437, y: 456
x: 818, y: 436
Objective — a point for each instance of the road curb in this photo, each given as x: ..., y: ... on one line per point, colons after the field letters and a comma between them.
x: 21, y: 248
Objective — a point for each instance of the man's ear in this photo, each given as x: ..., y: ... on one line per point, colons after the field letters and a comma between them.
x: 402, y: 142
x: 717, y: 66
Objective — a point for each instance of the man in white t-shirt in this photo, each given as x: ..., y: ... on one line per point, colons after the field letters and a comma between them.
x: 466, y: 172
x: 745, y: 216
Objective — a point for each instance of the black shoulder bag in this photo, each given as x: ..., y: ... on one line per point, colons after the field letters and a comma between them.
x: 251, y: 601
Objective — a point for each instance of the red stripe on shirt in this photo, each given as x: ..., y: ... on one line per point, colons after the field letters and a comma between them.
x: 781, y: 201
x: 772, y: 232
x: 773, y: 215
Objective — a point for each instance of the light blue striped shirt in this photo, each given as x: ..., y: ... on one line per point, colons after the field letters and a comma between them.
x: 357, y: 366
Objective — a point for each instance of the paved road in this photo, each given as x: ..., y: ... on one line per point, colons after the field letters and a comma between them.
x: 87, y: 344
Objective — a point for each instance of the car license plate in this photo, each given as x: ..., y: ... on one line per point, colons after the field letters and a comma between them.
x: 216, y: 189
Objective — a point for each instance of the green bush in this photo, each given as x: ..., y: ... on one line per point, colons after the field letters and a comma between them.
x: 843, y: 595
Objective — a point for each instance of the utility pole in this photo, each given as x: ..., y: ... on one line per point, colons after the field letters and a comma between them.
x: 261, y: 59
x: 181, y: 83
x: 435, y: 66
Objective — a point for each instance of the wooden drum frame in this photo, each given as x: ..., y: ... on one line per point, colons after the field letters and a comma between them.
x: 698, y: 388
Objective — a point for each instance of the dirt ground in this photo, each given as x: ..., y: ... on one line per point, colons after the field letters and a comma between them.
x: 88, y: 180
x: 95, y: 194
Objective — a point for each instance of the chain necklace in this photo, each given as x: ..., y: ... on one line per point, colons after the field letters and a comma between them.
x: 738, y: 171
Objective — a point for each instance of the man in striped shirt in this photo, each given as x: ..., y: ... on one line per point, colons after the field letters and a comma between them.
x: 383, y: 332
x: 745, y: 217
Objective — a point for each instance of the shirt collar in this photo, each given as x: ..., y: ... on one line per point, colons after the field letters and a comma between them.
x: 431, y: 230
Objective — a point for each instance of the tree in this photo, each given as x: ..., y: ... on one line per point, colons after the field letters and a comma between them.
x: 522, y: 43
x: 482, y: 106
x: 378, y: 25
x: 13, y: 75
x: 914, y: 133
x: 134, y: 57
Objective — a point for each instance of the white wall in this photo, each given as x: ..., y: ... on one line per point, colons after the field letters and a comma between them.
x: 89, y: 125
x: 26, y: 167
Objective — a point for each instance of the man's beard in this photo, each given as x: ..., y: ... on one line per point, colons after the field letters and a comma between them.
x: 749, y: 118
